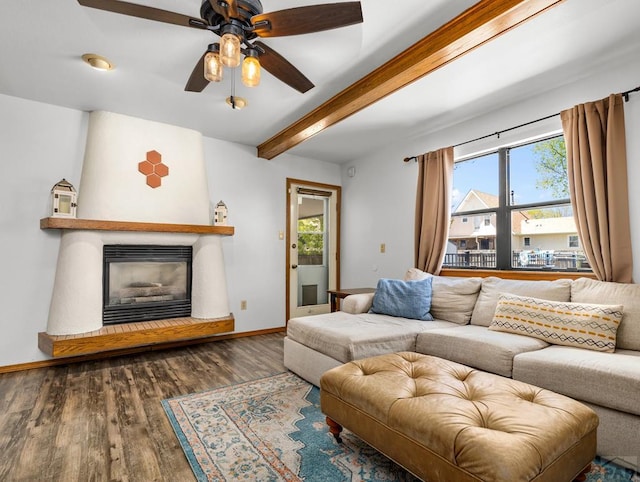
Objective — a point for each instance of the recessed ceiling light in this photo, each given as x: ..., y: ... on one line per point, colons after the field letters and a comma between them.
x: 98, y: 62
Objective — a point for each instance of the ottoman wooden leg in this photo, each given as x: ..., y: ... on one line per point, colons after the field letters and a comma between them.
x: 335, y: 429
x: 583, y: 475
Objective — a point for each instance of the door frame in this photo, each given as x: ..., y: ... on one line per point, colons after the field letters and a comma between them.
x: 288, y: 241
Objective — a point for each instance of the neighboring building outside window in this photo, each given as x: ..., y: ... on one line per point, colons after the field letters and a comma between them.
x: 512, y: 195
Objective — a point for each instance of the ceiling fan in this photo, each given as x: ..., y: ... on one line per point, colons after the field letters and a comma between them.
x: 238, y: 23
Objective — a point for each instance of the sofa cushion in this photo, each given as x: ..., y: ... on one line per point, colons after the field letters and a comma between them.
x: 492, y: 287
x: 347, y: 337
x: 583, y: 325
x: 608, y: 379
x: 452, y: 298
x: 477, y: 346
x: 415, y: 274
x: 359, y: 303
x: 407, y: 299
x: 584, y: 290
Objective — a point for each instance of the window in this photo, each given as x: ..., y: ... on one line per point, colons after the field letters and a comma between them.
x: 511, y: 196
x: 574, y: 241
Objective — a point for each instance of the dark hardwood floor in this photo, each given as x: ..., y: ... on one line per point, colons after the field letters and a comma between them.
x: 103, y: 420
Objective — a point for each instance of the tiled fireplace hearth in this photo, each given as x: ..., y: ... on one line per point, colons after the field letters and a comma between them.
x: 116, y: 206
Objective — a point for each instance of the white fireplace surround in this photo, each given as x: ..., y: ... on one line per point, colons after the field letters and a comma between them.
x: 112, y: 189
x: 76, y: 305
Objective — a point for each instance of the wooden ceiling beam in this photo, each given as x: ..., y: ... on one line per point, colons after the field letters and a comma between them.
x: 477, y: 25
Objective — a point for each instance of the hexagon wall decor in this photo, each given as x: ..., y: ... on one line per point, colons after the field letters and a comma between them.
x: 153, y: 168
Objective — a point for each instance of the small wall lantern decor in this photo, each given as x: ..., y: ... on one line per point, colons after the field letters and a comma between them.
x: 220, y: 214
x: 64, y: 200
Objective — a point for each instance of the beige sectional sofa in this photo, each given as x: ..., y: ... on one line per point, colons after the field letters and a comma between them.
x: 463, y: 310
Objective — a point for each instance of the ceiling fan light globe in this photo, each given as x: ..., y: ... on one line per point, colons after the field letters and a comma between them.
x: 212, y: 67
x: 250, y: 71
x: 230, y: 50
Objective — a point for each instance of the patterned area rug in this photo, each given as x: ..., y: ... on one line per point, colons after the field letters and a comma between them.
x: 272, y: 429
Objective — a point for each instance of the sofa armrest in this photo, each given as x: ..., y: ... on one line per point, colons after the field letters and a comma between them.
x: 359, y: 303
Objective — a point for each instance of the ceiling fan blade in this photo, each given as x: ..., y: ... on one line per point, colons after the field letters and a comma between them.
x: 142, y: 11
x: 281, y: 68
x: 197, y: 82
x: 227, y: 8
x: 313, y: 18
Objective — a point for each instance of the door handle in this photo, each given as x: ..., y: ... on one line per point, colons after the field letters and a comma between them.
x: 294, y: 266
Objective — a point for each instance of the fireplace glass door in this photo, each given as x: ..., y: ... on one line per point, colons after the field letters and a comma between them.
x: 146, y: 282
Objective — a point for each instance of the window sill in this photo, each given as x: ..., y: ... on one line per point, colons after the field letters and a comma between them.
x: 521, y: 274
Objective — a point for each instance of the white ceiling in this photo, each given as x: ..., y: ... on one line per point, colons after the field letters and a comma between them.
x: 41, y: 42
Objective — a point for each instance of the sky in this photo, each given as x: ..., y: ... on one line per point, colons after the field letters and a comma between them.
x: 481, y: 174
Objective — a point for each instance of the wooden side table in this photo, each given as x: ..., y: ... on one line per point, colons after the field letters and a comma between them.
x: 337, y: 295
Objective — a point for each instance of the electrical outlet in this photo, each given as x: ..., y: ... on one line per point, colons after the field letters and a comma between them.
x: 383, y: 247
x: 243, y: 304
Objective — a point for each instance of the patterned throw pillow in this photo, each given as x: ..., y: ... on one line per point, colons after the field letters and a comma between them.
x: 580, y: 325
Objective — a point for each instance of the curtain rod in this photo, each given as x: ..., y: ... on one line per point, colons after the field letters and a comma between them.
x: 625, y: 95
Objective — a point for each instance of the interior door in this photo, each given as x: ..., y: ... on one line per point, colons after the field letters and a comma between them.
x: 313, y: 212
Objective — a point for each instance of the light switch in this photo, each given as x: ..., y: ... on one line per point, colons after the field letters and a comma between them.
x: 383, y: 247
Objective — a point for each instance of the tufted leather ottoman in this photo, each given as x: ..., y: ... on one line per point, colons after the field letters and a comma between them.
x: 444, y: 421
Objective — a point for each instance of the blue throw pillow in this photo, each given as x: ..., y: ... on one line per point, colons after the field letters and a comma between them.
x: 407, y: 299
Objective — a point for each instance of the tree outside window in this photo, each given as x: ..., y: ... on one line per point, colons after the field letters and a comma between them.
x: 311, y: 241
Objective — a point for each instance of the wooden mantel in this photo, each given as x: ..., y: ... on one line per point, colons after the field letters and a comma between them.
x: 100, y: 225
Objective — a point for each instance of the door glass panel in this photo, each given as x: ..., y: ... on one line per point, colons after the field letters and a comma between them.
x: 313, y: 269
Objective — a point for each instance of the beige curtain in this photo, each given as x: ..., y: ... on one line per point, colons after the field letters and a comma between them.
x: 597, y: 164
x: 435, y: 172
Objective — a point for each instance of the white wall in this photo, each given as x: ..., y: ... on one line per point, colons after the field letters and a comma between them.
x: 254, y: 190
x: 41, y: 143
x: 379, y: 201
